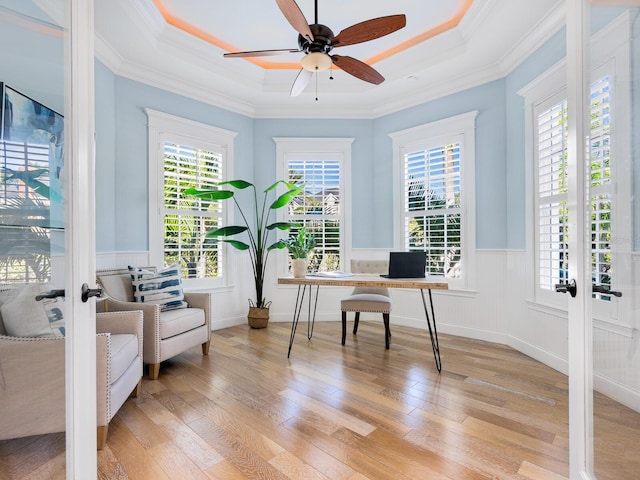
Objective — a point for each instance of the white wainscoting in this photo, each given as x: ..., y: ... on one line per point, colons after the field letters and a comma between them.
x: 499, y: 311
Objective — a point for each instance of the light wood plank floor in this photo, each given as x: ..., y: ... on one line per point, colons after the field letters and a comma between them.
x: 343, y: 413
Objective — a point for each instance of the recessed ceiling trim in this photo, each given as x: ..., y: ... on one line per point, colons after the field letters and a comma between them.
x: 191, y: 29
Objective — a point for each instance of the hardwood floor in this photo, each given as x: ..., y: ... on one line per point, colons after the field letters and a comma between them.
x: 343, y: 413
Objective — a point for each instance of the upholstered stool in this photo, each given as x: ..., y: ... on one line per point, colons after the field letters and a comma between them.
x: 364, y: 299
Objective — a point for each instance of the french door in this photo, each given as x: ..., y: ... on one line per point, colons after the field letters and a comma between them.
x: 47, y: 233
x: 603, y: 119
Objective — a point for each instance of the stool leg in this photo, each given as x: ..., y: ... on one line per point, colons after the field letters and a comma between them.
x: 344, y: 326
x: 387, y: 333
x: 355, y: 323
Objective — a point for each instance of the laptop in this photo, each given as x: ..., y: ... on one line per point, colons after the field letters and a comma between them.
x: 406, y: 265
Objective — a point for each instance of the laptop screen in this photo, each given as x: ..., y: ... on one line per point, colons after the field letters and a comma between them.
x: 407, y: 265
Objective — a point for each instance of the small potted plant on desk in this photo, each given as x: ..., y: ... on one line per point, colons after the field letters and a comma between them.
x: 299, y: 246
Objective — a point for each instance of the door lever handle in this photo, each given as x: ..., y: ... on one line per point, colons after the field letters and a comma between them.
x: 605, y: 289
x: 50, y: 294
x: 570, y: 287
x: 89, y: 292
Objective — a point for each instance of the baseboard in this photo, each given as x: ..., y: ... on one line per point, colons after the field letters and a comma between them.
x: 537, y: 353
x: 620, y: 393
x: 221, y: 323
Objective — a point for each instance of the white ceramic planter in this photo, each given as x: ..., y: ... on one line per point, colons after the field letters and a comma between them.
x: 299, y: 267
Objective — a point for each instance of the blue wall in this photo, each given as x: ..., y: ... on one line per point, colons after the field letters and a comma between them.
x: 362, y: 160
x: 122, y: 153
x: 546, y: 56
x: 33, y: 65
x: 500, y: 157
x: 31, y: 60
x: 125, y: 169
x: 489, y: 100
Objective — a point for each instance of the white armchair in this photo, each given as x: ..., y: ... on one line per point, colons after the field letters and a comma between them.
x: 32, y: 376
x: 166, y: 333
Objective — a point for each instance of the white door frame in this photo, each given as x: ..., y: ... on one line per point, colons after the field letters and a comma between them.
x: 80, y: 368
x: 579, y: 309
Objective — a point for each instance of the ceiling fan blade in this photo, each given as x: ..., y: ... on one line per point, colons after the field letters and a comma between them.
x: 358, y: 69
x: 301, y: 82
x: 260, y: 53
x: 294, y: 15
x: 369, y: 30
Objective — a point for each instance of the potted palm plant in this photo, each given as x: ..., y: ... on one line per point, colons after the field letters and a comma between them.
x: 258, y: 234
x: 299, y: 246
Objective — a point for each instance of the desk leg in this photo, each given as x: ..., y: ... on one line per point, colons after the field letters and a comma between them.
x: 311, y: 320
x: 433, y: 333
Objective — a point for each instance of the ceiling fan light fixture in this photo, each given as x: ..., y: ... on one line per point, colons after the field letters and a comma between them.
x: 316, y: 62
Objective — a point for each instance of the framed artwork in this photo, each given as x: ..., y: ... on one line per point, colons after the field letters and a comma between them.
x: 31, y: 193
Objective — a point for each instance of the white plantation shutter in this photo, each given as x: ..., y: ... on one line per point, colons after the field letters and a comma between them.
x: 432, y: 207
x: 601, y: 185
x: 186, y: 218
x: 552, y: 196
x: 319, y: 208
x: 551, y: 131
x: 26, y: 220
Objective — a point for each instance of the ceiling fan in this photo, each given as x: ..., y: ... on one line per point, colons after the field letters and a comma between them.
x: 317, y: 41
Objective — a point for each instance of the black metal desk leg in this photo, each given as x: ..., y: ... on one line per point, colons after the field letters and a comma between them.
x: 296, y: 314
x: 433, y: 333
x: 311, y: 321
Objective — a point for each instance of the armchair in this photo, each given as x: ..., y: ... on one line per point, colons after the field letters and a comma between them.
x: 166, y: 333
x: 32, y: 393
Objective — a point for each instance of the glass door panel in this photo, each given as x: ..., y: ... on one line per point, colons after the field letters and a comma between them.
x: 614, y: 169
x: 40, y: 255
x: 32, y: 240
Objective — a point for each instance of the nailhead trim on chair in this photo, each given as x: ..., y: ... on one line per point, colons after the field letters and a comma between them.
x: 108, y: 405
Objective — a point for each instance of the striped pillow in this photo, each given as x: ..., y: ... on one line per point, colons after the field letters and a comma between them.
x: 163, y: 287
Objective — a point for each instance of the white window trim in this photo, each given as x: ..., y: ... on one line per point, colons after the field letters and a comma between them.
x: 608, y: 57
x: 304, y: 148
x: 414, y: 138
x: 163, y: 126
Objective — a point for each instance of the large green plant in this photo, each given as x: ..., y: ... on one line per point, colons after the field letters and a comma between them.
x: 258, y: 232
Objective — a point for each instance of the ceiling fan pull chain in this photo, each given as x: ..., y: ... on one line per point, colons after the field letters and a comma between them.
x: 331, y: 72
x: 316, y: 87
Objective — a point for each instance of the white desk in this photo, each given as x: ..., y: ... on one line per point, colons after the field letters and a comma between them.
x: 309, y: 281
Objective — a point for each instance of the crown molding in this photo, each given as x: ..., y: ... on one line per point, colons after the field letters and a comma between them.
x: 453, y: 61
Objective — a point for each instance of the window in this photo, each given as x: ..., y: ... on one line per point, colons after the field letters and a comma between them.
x: 434, y: 178
x: 609, y: 179
x: 186, y: 219
x: 432, y: 207
x: 181, y: 156
x: 323, y: 166
x: 551, y: 153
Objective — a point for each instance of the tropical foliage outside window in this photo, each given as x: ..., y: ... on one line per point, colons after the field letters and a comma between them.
x: 318, y: 208
x: 432, y: 207
x: 188, y: 218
